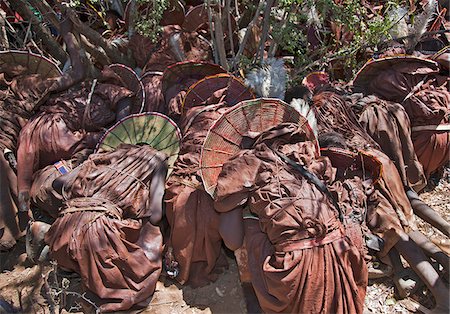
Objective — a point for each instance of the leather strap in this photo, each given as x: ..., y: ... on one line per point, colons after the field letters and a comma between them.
x: 312, y: 178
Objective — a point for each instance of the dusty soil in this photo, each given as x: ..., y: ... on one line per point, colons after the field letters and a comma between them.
x: 22, y: 287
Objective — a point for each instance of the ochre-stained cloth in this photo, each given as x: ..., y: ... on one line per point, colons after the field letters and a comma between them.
x: 43, y: 195
x: 103, y: 232
x: 154, y: 98
x: 288, y: 274
x: 10, y: 227
x: 69, y: 123
x: 194, y: 223
x: 388, y: 124
x: 426, y: 99
x: 393, y: 209
x: 18, y: 99
x: 430, y: 106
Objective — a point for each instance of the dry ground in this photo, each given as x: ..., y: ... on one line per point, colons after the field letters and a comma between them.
x: 21, y: 284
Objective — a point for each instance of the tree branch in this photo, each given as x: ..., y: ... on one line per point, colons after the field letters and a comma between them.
x: 219, y: 38
x: 112, y: 52
x: 247, y: 35
x: 22, y: 8
x: 265, y: 30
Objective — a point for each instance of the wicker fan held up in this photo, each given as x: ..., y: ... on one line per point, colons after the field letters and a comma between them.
x: 225, y: 136
x: 149, y: 128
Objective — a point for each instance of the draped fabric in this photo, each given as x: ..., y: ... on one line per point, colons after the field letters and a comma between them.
x: 425, y: 96
x: 154, y: 98
x: 299, y: 257
x: 43, y: 195
x: 391, y: 208
x: 388, y: 124
x: 194, y: 237
x: 103, y: 232
x: 18, y: 100
x: 69, y: 123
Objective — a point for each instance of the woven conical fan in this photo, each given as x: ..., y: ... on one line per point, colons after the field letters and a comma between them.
x: 182, y: 72
x: 224, y: 137
x: 151, y: 128
x: 33, y: 63
x: 133, y: 83
x: 200, y: 91
x: 373, y: 67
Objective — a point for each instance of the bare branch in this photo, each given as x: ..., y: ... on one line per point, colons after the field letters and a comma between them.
x: 230, y: 28
x: 4, y: 44
x: 219, y: 38
x: 213, y: 39
x: 22, y: 8
x: 94, y: 37
x: 47, y: 12
x: 265, y: 30
x: 247, y: 34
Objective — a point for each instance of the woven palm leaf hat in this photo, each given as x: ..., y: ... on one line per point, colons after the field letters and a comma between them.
x: 148, y: 128
x: 29, y: 63
x: 133, y: 83
x: 199, y: 92
x: 252, y: 116
x: 181, y: 75
x: 406, y: 64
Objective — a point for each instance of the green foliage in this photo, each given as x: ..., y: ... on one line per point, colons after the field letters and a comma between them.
x: 364, y: 30
x: 149, y: 15
x: 77, y: 3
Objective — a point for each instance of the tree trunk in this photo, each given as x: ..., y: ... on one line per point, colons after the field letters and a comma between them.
x: 4, y: 44
x: 95, y: 38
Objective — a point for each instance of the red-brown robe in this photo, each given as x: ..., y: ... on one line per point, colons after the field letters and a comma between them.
x: 426, y: 98
x: 70, y: 123
x: 18, y: 97
x: 393, y: 209
x: 299, y: 257
x: 195, y: 237
x: 388, y: 124
x: 103, y: 232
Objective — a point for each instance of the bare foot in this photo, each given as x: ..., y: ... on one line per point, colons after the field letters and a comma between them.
x: 407, y: 282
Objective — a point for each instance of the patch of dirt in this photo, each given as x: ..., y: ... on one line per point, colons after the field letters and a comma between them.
x: 380, y: 297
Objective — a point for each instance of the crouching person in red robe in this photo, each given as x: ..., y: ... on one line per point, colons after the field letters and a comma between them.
x: 299, y: 257
x: 107, y: 227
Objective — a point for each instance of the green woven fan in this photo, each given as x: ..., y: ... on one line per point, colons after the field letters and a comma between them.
x: 150, y: 128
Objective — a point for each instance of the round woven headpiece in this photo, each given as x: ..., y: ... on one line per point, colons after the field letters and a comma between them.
x: 203, y: 89
x: 149, y: 128
x: 33, y: 63
x: 373, y: 67
x: 182, y: 72
x: 133, y: 83
x: 225, y: 136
